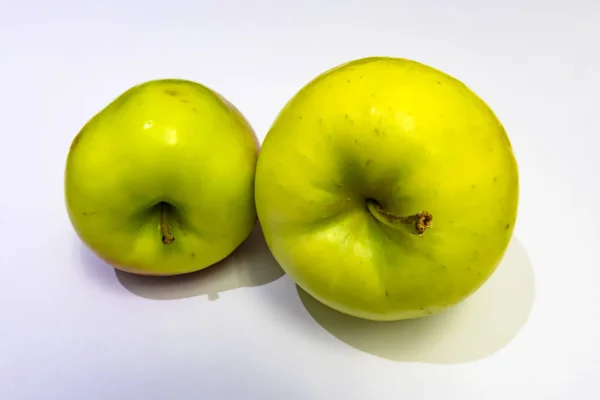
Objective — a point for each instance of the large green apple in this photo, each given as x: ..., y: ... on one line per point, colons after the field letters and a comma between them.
x: 161, y: 181
x: 387, y: 189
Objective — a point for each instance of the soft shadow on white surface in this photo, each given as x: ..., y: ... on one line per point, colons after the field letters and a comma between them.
x: 480, y: 326
x: 251, y: 264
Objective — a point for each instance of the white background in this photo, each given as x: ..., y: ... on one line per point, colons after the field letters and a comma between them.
x: 70, y: 328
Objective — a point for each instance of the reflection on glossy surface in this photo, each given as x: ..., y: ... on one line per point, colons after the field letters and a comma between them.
x: 250, y: 265
x: 480, y: 326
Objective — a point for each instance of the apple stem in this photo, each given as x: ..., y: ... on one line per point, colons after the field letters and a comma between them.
x: 167, y: 236
x: 418, y: 223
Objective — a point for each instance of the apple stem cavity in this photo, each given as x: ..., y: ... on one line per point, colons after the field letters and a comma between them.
x: 417, y: 223
x: 167, y: 236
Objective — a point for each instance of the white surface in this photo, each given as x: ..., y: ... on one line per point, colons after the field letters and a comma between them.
x: 70, y: 328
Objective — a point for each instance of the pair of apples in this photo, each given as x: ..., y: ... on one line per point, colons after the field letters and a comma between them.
x: 385, y: 188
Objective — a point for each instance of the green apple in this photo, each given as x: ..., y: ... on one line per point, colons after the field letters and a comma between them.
x: 387, y: 189
x: 161, y: 181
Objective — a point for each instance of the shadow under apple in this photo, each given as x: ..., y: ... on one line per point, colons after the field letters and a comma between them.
x: 251, y: 264
x: 474, y: 329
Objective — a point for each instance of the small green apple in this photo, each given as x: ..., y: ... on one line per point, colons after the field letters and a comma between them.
x: 387, y: 189
x: 161, y: 181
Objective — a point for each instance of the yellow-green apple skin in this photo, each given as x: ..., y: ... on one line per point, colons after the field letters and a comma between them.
x: 164, y: 144
x: 376, y: 138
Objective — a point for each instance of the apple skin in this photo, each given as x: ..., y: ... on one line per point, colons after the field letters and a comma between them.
x: 411, y: 138
x: 167, y: 141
